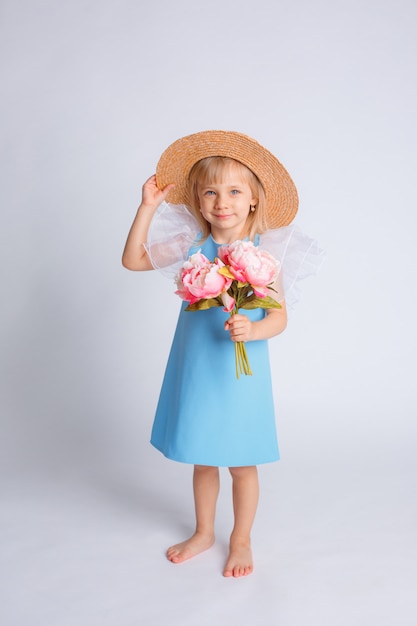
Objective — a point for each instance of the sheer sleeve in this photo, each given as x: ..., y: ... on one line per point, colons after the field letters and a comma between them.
x: 174, y: 231
x: 171, y: 234
x: 300, y: 257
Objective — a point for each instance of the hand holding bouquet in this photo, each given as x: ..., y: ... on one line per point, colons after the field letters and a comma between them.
x: 240, y: 278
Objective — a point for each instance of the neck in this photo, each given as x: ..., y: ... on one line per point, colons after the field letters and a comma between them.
x: 224, y: 237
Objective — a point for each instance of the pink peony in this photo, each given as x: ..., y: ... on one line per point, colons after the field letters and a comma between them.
x: 249, y: 264
x: 199, y: 278
x: 228, y: 301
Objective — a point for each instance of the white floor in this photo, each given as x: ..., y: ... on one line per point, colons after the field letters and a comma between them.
x: 333, y: 547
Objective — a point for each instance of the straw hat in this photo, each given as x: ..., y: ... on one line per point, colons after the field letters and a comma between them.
x: 178, y: 159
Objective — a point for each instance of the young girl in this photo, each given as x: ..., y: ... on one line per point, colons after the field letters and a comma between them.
x: 224, y: 187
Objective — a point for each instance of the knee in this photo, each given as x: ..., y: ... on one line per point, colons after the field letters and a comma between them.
x: 206, y: 469
x: 243, y: 472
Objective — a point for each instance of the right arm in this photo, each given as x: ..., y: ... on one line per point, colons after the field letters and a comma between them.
x: 135, y: 256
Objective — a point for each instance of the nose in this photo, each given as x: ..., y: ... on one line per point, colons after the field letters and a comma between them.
x: 220, y: 201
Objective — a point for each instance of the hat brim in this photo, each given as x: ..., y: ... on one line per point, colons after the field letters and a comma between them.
x: 178, y: 159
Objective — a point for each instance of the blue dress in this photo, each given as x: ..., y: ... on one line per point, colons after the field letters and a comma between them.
x: 205, y: 415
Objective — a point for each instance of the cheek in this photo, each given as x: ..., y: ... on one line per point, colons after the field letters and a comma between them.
x: 202, y: 201
x: 205, y: 204
x: 204, y: 212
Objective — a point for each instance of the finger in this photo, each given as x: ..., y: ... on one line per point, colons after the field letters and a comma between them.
x: 151, y: 179
x: 165, y: 191
x: 240, y: 326
x: 238, y: 332
x: 237, y: 319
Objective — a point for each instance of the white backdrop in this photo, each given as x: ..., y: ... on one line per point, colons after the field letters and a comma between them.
x: 93, y: 92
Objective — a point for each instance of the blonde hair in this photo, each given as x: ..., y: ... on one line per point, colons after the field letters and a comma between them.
x: 210, y: 171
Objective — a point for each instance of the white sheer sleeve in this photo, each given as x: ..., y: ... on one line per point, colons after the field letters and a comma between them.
x: 174, y: 230
x: 300, y: 257
x: 171, y: 234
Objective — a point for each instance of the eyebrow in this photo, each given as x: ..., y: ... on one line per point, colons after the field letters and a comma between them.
x: 234, y: 186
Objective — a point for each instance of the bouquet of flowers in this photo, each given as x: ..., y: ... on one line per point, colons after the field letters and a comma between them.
x: 239, y: 278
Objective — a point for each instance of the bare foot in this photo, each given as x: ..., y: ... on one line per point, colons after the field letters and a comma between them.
x: 240, y: 561
x: 189, y: 548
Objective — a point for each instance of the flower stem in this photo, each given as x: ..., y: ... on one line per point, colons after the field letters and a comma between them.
x: 241, y: 356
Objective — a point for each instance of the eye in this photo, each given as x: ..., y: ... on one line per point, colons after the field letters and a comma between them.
x: 235, y: 192
x: 209, y: 192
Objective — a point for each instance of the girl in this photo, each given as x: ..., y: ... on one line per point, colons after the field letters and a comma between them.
x: 223, y: 187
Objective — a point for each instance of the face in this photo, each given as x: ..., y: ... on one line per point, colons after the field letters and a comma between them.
x: 225, y: 205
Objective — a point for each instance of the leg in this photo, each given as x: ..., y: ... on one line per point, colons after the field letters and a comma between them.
x: 245, y: 502
x: 206, y: 489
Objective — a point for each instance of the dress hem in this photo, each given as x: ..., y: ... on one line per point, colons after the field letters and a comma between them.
x: 194, y: 462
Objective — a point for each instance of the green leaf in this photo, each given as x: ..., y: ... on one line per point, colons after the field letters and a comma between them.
x: 261, y: 303
x: 203, y: 305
